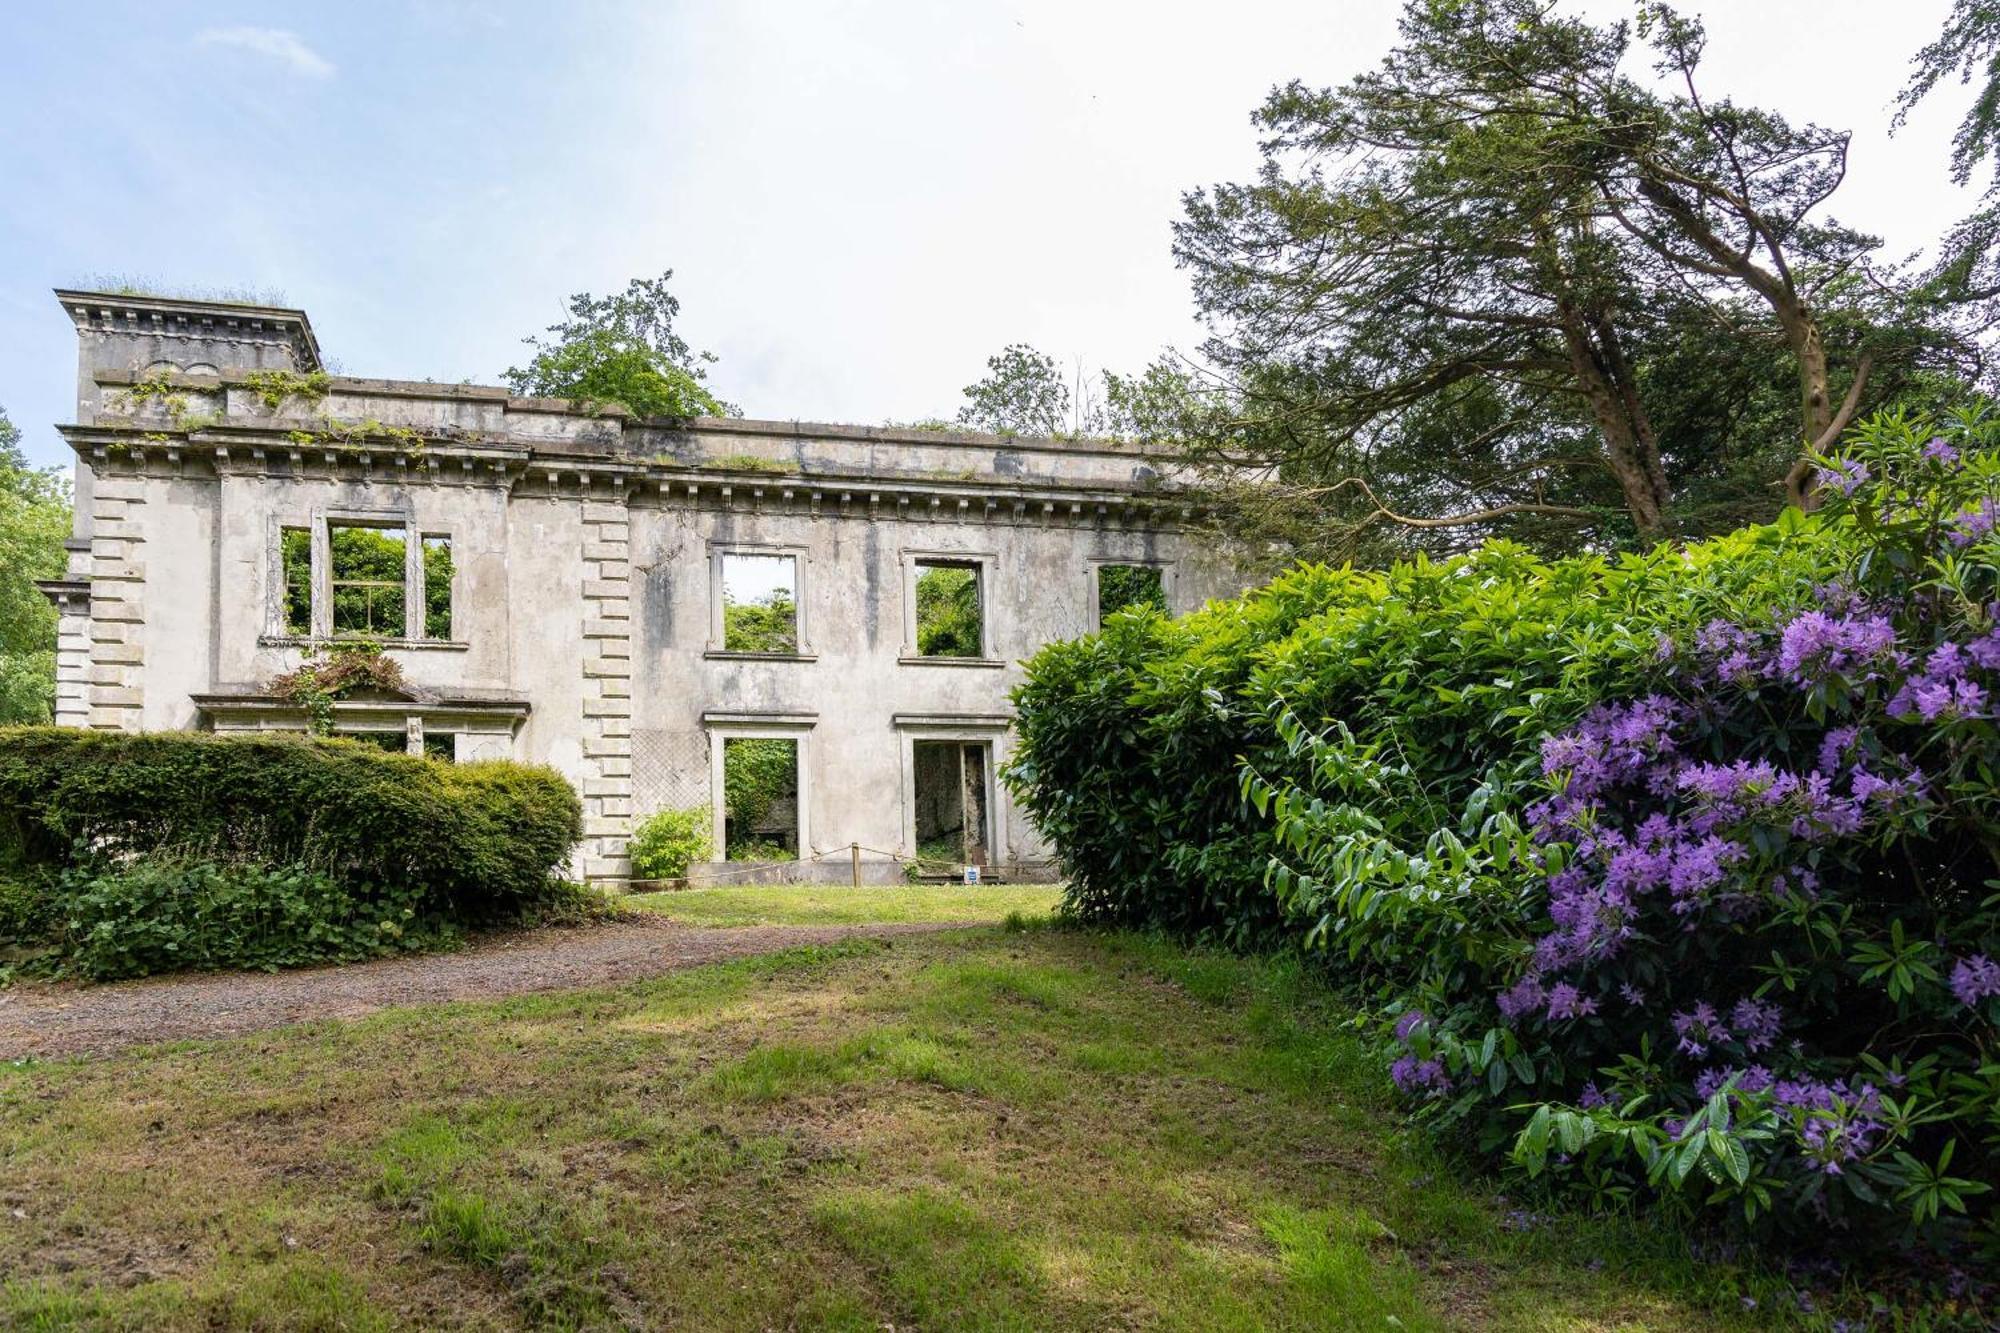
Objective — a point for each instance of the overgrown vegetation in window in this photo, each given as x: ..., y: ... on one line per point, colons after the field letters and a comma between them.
x: 437, y: 586
x: 949, y: 619
x: 366, y: 580
x: 759, y: 603
x: 1122, y: 586
x: 295, y: 556
x: 760, y: 798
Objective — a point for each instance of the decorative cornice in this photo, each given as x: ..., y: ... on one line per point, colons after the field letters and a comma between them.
x: 530, y: 475
x: 113, y: 312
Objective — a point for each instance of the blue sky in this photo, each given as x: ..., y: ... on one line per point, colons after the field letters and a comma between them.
x: 861, y: 201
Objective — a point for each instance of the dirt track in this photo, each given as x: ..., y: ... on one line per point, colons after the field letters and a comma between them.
x: 71, y: 1019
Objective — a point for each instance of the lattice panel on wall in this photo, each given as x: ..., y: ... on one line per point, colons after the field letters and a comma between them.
x: 669, y: 770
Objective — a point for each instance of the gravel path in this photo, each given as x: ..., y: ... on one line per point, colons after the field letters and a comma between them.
x: 72, y: 1020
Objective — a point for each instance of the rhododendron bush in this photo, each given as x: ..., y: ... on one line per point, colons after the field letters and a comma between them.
x: 1673, y: 876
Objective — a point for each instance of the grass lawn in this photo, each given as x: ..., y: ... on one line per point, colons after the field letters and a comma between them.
x: 843, y: 904
x: 985, y: 1129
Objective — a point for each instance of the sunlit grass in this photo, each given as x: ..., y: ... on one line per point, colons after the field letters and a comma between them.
x: 1038, y: 1129
x: 842, y: 904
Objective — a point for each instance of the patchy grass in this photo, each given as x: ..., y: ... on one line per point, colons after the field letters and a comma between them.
x: 843, y: 904
x: 1028, y: 1129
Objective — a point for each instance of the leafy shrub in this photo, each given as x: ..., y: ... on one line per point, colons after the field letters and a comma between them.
x: 666, y: 844
x: 473, y: 842
x: 164, y: 915
x: 1672, y: 873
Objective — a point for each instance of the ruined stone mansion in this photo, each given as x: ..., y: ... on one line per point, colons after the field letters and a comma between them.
x: 621, y: 599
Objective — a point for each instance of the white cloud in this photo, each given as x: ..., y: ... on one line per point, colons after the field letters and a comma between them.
x: 280, y: 45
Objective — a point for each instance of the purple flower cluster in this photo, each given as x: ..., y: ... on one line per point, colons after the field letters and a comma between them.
x: 1753, y: 1025
x: 1975, y: 978
x: 1846, y: 476
x: 1412, y: 1073
x: 1944, y: 688
x: 1414, y: 1076
x: 1816, y: 645
x: 1973, y: 523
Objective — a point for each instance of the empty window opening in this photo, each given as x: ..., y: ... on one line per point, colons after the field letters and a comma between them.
x: 295, y: 552
x: 395, y: 742
x: 760, y: 798
x: 368, y: 570
x: 760, y: 604
x: 949, y: 799
x: 1122, y: 586
x: 950, y: 619
x: 437, y: 586
x: 440, y: 745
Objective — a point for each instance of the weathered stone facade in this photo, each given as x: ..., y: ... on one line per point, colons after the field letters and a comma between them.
x: 584, y: 625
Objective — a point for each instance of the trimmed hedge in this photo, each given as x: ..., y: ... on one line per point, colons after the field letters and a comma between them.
x: 472, y: 842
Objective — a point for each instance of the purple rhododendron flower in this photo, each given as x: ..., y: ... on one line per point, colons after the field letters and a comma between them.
x: 1756, y: 1023
x: 1566, y: 1001
x: 1413, y: 1075
x: 1409, y: 1023
x: 1845, y: 476
x: 1973, y: 523
x: 1815, y: 645
x: 1975, y: 978
x: 1525, y: 995
x: 1939, y: 450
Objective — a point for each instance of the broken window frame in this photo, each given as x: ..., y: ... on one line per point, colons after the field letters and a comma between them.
x: 335, y: 584
x: 1100, y: 564
x: 417, y: 542
x: 983, y: 564
x: 718, y: 630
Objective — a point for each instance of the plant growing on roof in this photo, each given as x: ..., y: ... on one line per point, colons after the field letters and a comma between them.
x: 622, y: 349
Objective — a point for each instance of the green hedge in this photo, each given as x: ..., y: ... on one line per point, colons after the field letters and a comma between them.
x: 472, y: 842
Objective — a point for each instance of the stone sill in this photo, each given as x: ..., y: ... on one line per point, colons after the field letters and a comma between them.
x: 989, y: 662
x: 400, y: 645
x: 731, y: 655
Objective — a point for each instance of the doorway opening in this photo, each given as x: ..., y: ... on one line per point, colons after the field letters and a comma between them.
x: 760, y: 798
x: 953, y: 824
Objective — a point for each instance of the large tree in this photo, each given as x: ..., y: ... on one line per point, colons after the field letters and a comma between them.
x: 1445, y: 299
x: 34, y: 521
x: 622, y: 349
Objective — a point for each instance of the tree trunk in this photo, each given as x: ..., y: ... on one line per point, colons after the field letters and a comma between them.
x: 1815, y: 401
x: 1630, y: 451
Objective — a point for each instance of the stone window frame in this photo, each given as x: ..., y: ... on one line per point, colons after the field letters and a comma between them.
x: 319, y: 522
x: 734, y: 726
x: 801, y: 561
x: 1097, y: 562
x: 991, y: 729
x: 988, y: 564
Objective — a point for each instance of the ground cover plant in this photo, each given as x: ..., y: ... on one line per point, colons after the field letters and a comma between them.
x: 125, y: 854
x: 1672, y: 873
x: 972, y: 1130
x: 843, y: 904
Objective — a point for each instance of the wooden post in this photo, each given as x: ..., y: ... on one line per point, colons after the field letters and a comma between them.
x: 854, y: 851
